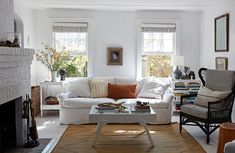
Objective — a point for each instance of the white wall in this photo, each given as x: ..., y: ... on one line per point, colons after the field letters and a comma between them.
x: 118, y: 29
x: 188, y: 32
x: 26, y: 14
x: 6, y: 18
x: 208, y: 54
x: 207, y: 51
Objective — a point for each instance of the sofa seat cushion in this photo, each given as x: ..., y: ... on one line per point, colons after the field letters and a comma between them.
x: 154, y: 103
x: 195, y: 110
x: 84, y: 102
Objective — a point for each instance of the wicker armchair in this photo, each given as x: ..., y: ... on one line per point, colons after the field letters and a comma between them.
x: 209, y: 118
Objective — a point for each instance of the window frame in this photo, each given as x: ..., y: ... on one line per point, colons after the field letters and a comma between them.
x: 140, y: 41
x: 157, y: 53
x: 70, y: 24
x: 90, y: 41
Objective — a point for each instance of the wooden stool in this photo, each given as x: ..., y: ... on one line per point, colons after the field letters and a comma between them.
x: 226, y: 134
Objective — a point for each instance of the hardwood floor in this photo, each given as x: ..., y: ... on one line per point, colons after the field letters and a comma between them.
x: 49, y: 127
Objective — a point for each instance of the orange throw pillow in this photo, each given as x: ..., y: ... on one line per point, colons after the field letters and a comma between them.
x: 117, y: 91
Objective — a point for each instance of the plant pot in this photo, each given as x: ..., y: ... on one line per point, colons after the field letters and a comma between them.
x: 53, y: 76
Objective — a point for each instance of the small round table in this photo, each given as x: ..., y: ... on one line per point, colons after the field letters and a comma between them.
x: 226, y: 134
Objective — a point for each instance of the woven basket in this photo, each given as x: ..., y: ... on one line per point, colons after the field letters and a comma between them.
x: 50, y: 100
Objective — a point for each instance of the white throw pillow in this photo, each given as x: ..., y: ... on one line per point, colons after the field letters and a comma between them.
x: 79, y: 88
x: 153, y: 88
x: 206, y: 95
x: 98, y: 88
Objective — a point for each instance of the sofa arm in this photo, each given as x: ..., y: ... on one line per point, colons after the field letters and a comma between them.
x: 168, y: 97
x: 63, y: 96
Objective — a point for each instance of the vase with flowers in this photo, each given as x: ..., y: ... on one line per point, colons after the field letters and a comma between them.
x: 52, y: 58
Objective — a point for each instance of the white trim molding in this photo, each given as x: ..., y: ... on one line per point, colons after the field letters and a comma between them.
x: 90, y: 37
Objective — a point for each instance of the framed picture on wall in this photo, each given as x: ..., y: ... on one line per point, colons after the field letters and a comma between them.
x: 222, y: 33
x: 221, y: 63
x: 114, y: 56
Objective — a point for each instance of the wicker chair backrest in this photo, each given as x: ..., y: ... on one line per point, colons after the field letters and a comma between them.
x: 219, y: 80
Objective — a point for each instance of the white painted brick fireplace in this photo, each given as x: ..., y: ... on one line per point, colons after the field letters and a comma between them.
x: 15, y: 77
x: 15, y: 83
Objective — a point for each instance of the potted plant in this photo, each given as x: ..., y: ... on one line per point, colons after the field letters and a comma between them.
x: 52, y: 58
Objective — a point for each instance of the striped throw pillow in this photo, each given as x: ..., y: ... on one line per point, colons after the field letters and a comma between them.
x: 98, y: 88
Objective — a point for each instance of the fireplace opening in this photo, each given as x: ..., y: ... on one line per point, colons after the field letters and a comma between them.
x: 11, y: 124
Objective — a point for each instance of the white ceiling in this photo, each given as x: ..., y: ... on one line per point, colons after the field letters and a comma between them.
x: 123, y: 4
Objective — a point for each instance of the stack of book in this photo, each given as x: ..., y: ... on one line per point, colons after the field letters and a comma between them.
x: 184, y: 87
x: 193, y: 86
x: 141, y: 108
x: 178, y: 85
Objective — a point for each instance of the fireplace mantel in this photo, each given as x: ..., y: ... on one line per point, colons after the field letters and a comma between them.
x: 15, y: 77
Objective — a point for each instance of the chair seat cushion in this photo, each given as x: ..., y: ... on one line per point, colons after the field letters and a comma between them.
x: 195, y: 110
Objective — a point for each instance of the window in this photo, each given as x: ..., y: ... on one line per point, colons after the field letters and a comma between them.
x: 157, y: 47
x: 73, y: 37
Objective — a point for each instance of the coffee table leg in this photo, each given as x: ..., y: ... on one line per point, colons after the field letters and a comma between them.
x: 99, y: 126
x: 143, y: 123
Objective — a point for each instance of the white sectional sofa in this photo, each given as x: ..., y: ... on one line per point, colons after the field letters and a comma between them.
x: 76, y: 102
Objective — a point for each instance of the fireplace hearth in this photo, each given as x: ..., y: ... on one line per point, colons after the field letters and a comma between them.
x: 11, y: 124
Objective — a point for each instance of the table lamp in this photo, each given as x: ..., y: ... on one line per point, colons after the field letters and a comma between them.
x: 177, y: 61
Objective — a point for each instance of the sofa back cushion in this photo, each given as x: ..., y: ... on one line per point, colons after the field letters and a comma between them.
x: 78, y: 88
x: 99, y: 88
x: 139, y: 82
x: 117, y: 91
x: 107, y: 79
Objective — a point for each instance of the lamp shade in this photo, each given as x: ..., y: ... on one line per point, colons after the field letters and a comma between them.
x: 177, y: 61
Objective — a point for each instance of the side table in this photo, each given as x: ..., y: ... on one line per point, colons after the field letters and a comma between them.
x: 226, y: 134
x: 43, y: 104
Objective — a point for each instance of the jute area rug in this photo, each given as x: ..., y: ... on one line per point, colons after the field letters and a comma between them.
x: 127, y: 138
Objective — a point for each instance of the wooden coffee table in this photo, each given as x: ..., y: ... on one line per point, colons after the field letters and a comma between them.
x: 104, y: 117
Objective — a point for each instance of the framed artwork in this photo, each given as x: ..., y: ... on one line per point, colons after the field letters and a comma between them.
x: 221, y: 63
x: 222, y: 33
x: 114, y: 56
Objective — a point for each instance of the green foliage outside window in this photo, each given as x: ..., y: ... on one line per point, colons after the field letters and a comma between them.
x: 76, y: 67
x: 156, y: 65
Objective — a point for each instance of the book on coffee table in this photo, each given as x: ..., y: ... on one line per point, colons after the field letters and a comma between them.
x: 137, y: 108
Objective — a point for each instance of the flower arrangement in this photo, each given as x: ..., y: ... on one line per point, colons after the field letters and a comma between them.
x: 51, y: 57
